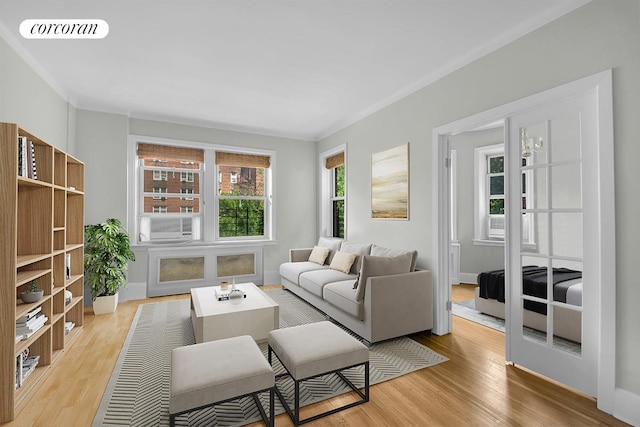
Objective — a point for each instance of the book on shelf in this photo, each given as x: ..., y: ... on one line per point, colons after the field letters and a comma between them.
x: 30, y: 330
x: 68, y: 326
x: 68, y: 296
x: 29, y: 314
x: 67, y: 259
x: 22, y: 141
x: 32, y: 169
x: 31, y: 321
x: 25, y: 365
x: 19, y: 361
x: 26, y: 158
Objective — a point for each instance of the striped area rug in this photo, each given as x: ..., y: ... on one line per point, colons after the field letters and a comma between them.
x: 138, y: 392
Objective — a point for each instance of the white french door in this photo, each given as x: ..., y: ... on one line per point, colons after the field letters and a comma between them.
x: 553, y: 233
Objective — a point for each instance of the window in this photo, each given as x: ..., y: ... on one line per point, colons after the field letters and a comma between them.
x: 334, y: 194
x: 242, y: 203
x: 159, y: 175
x: 159, y: 190
x: 490, y: 197
x: 494, y: 181
x: 186, y: 191
x: 337, y: 201
x: 172, y: 186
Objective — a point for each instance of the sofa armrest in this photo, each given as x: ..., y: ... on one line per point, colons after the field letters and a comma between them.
x: 299, y: 255
x: 399, y: 304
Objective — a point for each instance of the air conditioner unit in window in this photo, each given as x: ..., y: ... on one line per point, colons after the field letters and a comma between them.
x: 496, y: 226
x: 160, y: 228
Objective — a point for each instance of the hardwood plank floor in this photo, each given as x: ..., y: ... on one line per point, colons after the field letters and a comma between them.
x: 475, y: 387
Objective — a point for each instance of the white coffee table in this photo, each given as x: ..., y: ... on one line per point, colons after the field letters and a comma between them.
x: 255, y: 315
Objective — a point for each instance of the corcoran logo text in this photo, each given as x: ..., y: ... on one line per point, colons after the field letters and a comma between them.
x: 64, y: 29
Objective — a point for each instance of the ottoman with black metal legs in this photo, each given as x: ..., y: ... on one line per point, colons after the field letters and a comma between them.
x: 312, y: 350
x: 214, y: 372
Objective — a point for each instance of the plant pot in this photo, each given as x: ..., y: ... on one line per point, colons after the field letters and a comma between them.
x: 105, y: 305
x: 31, y: 297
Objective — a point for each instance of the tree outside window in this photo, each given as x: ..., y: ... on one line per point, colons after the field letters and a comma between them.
x: 337, y: 201
x: 242, y: 196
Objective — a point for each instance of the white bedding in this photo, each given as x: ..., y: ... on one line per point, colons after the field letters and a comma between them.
x: 574, y: 294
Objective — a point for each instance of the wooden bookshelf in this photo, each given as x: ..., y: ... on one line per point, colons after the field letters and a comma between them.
x: 41, y: 225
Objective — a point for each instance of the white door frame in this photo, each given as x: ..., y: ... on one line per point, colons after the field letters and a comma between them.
x: 602, y: 84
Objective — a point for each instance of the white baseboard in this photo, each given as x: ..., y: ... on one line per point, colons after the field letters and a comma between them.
x: 471, y: 278
x: 625, y: 407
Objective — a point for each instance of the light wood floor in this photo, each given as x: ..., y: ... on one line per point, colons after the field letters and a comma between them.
x: 474, y: 387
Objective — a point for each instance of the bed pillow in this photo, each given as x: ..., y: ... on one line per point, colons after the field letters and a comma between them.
x: 380, y: 266
x: 342, y: 261
x: 319, y: 255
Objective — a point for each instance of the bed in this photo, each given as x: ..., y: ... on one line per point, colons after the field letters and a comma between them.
x: 567, y: 288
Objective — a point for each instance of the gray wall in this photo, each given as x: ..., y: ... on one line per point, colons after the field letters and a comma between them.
x: 474, y: 259
x: 599, y: 36
x: 26, y: 99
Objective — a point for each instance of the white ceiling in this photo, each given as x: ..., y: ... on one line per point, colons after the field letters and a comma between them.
x: 294, y: 68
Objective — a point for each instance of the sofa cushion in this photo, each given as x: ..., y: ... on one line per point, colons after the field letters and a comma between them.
x: 342, y: 261
x: 314, y: 281
x: 359, y: 249
x: 341, y: 295
x: 292, y: 270
x: 319, y: 255
x: 380, y: 266
x: 382, y: 251
x: 333, y: 243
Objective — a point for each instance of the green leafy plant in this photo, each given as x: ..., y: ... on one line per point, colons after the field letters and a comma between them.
x: 107, y: 252
x: 33, y: 286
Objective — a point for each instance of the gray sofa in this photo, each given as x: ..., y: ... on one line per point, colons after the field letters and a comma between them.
x: 380, y: 296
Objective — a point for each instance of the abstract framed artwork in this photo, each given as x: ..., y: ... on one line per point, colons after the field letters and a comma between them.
x: 390, y: 183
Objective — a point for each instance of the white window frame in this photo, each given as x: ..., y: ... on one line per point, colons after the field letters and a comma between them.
x: 233, y: 177
x: 481, y: 199
x: 159, y: 209
x: 186, y: 209
x: 326, y: 191
x: 208, y: 192
x: 186, y: 176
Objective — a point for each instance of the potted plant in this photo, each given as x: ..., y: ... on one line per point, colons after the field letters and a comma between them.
x: 107, y: 252
x: 32, y: 294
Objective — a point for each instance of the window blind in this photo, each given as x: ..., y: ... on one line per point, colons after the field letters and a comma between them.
x: 335, y: 161
x: 169, y: 152
x: 242, y: 160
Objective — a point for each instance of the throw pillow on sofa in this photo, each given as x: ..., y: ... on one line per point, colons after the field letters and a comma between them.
x: 319, y: 255
x: 380, y: 266
x: 382, y: 251
x: 342, y: 261
x: 359, y: 249
x: 333, y: 243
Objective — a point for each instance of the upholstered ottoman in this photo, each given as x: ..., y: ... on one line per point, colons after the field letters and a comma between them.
x: 308, y: 351
x: 218, y: 371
